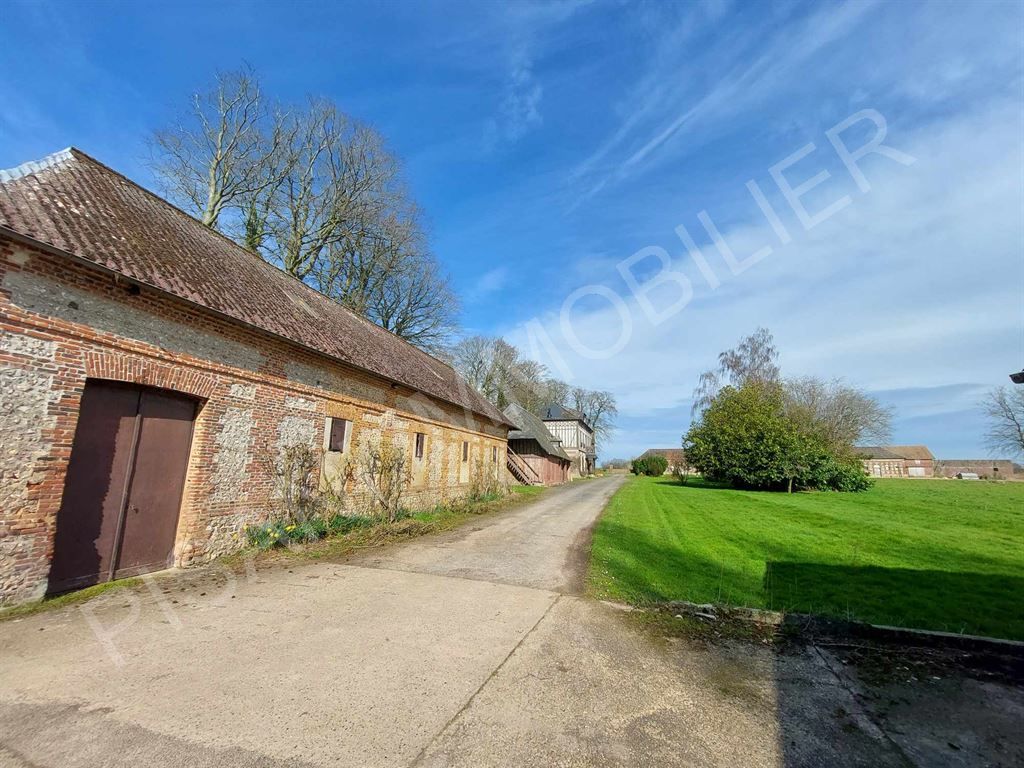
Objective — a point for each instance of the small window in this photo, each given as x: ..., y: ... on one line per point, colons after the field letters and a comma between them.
x: 494, y: 454
x: 465, y: 450
x: 339, y: 433
x: 421, y: 439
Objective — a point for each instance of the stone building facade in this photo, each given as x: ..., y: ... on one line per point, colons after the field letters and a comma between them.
x: 896, y: 460
x: 987, y: 469
x: 103, y: 284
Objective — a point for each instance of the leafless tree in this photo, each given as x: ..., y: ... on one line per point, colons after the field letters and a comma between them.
x: 498, y: 370
x: 755, y: 359
x: 340, y: 183
x: 838, y: 413
x: 390, y: 277
x: 315, y: 192
x: 598, y: 408
x: 225, y: 149
x: 472, y: 358
x: 1004, y: 409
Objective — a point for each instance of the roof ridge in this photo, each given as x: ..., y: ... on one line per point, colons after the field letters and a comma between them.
x: 34, y: 166
x: 72, y: 151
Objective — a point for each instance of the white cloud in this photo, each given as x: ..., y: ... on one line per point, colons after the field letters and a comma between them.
x: 489, y: 283
x: 916, y: 284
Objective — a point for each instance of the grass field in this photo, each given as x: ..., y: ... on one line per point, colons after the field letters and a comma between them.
x: 932, y: 554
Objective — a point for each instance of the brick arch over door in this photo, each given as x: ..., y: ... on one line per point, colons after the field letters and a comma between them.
x: 138, y: 370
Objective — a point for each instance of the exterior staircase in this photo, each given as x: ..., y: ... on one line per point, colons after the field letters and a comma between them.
x: 522, y: 471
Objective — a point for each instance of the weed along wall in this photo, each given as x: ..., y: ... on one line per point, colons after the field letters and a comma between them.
x: 79, y: 344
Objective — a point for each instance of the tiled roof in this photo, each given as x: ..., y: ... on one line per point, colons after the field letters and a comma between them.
x: 874, y: 452
x: 913, y: 452
x: 919, y: 452
x: 77, y: 205
x: 676, y: 457
x: 529, y: 427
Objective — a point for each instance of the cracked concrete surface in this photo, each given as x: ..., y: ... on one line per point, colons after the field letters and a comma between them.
x: 471, y: 648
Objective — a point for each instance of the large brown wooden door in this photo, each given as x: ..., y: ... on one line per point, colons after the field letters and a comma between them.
x: 119, y: 512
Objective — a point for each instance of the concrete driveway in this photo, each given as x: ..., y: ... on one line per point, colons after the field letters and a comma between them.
x: 471, y: 648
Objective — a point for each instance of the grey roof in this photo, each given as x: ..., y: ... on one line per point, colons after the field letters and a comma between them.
x: 556, y: 412
x: 529, y: 427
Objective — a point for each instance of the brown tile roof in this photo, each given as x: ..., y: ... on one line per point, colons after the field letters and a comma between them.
x: 676, y: 457
x: 79, y: 206
x: 913, y: 452
x: 919, y: 452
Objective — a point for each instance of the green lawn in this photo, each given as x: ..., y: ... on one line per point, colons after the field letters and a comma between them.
x: 933, y: 554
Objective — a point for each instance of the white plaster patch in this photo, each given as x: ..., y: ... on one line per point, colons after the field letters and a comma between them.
x: 20, y: 257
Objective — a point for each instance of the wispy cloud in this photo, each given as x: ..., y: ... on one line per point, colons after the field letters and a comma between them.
x: 519, y: 110
x: 896, y: 292
x: 668, y: 104
x: 488, y: 283
x: 525, y: 28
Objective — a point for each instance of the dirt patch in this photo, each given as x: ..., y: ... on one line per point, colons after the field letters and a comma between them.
x: 577, y: 560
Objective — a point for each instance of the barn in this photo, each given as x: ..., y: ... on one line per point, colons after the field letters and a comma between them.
x: 896, y: 460
x: 535, y: 457
x: 153, y: 372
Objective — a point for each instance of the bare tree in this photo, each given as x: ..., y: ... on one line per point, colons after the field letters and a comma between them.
x: 1004, y: 409
x: 315, y: 192
x: 472, y: 358
x: 598, y: 408
x: 839, y: 414
x: 499, y: 371
x: 339, y: 183
x: 380, y: 465
x: 390, y: 277
x: 225, y: 149
x: 755, y: 359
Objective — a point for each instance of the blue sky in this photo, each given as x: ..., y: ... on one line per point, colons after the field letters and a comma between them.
x: 551, y: 142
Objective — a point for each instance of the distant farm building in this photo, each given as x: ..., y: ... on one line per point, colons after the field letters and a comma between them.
x: 897, y: 460
x: 991, y: 469
x: 570, y: 427
x: 535, y: 456
x: 675, y: 457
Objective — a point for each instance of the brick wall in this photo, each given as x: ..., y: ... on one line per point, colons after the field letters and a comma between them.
x: 988, y: 468
x: 62, y: 323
